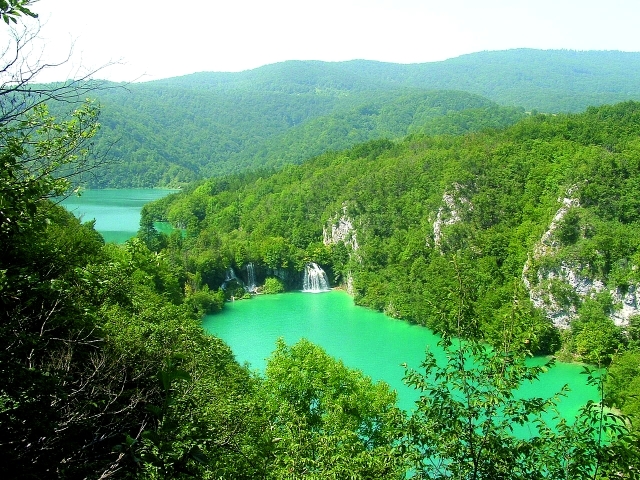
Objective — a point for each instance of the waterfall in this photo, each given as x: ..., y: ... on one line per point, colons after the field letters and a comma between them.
x: 251, y: 278
x: 315, y: 279
x: 231, y: 277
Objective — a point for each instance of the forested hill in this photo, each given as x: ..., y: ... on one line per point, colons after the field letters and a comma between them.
x: 526, y: 237
x: 172, y: 131
x: 546, y: 80
x: 155, y: 136
x: 544, y: 214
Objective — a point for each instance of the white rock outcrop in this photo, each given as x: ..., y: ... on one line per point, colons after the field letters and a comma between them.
x: 542, y: 283
x: 449, y: 212
x: 341, y: 230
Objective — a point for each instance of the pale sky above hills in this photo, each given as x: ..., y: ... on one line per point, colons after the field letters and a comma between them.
x: 157, y: 39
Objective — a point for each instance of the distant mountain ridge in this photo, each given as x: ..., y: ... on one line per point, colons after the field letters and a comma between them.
x: 174, y: 131
x: 518, y: 77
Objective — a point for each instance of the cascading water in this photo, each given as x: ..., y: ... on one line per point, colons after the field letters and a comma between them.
x: 230, y: 274
x: 231, y: 277
x: 251, y: 278
x: 315, y: 279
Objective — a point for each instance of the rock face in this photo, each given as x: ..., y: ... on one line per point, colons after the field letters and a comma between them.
x: 349, y: 283
x: 629, y: 305
x: 559, y: 290
x: 449, y: 212
x: 291, y: 279
x: 341, y: 230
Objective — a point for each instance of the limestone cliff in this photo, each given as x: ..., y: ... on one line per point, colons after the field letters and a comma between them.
x: 558, y: 286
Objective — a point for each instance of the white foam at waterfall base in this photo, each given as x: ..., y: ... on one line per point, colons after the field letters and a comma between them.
x: 315, y: 279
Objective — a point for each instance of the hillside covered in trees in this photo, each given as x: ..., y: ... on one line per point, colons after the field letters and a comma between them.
x: 169, y: 132
x: 542, y: 215
x: 169, y: 136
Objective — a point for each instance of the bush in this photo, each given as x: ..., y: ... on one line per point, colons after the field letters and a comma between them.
x: 206, y: 301
x: 272, y: 285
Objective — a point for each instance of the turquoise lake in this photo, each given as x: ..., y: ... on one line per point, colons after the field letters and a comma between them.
x: 116, y: 211
x: 363, y: 339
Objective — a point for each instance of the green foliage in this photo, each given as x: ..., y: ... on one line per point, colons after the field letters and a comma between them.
x: 157, y: 448
x: 204, y: 301
x: 329, y: 421
x: 54, y: 387
x: 159, y: 133
x: 486, y: 199
x: 466, y: 422
x: 39, y: 155
x: 272, y: 285
x: 108, y: 371
x: 48, y: 332
x: 623, y: 382
x: 595, y: 337
x: 11, y: 10
x: 470, y: 423
x: 568, y: 231
x: 258, y: 127
x: 463, y: 425
x: 154, y: 240
x: 86, y: 327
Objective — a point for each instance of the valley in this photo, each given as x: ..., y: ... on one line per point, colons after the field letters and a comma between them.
x: 458, y: 228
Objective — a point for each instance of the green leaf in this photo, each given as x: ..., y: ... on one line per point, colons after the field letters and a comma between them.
x: 181, y: 375
x: 152, y: 436
x: 198, y: 455
x: 157, y: 411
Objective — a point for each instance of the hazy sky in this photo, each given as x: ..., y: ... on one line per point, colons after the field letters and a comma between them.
x: 157, y: 38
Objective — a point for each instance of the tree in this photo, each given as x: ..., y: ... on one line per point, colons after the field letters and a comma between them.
x: 623, y: 384
x: 19, y: 93
x: 568, y: 231
x: 327, y: 420
x: 272, y: 285
x: 60, y: 390
x: 595, y: 336
x: 464, y: 426
x: 154, y: 240
x: 41, y: 323
x: 10, y: 10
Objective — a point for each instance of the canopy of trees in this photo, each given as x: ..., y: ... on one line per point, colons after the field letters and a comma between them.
x: 168, y: 135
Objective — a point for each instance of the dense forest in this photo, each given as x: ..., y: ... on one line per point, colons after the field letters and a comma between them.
x: 170, y: 132
x: 542, y: 215
x: 108, y: 373
x: 169, y: 136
